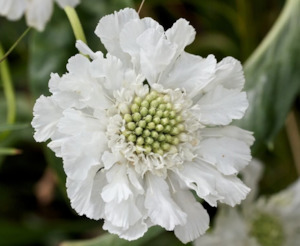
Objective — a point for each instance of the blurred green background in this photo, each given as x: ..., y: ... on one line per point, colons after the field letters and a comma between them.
x: 34, y: 209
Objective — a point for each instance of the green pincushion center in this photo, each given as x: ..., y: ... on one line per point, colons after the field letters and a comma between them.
x: 267, y: 230
x: 153, y: 124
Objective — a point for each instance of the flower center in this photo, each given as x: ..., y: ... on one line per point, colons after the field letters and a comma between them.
x: 267, y: 230
x: 153, y: 124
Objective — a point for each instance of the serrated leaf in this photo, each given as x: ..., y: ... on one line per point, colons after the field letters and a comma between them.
x: 273, y: 77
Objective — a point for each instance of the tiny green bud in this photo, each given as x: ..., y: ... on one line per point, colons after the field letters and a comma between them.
x: 159, y: 113
x: 148, y: 149
x: 165, y: 146
x: 140, y: 141
x: 161, y: 137
x: 138, y: 130
x: 166, y: 113
x: 162, y: 107
x: 127, y: 118
x: 152, y: 111
x: 142, y: 123
x: 145, y: 104
x: 156, y: 145
x: 154, y: 134
x: 164, y: 121
x: 154, y: 104
x: 169, y: 106
x: 131, y: 126
x: 172, y: 114
x: 143, y: 111
x: 148, y: 118
x: 175, y: 141
x: 159, y: 127
x: 159, y: 151
x: 151, y: 125
x: 167, y: 128
x: 146, y: 133
x: 169, y: 138
x: 175, y: 131
x: 178, y: 118
x: 153, y: 94
x: 181, y: 127
x: 131, y: 138
x: 134, y: 108
x: 167, y: 98
x: 156, y: 120
x: 149, y: 140
x: 136, y: 117
x: 126, y: 133
x: 138, y: 100
x: 173, y: 122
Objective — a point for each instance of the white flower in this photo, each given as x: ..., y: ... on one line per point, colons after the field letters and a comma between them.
x: 37, y: 12
x: 270, y: 221
x: 140, y: 128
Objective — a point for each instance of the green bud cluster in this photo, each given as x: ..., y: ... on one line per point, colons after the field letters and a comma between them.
x: 267, y: 230
x: 153, y: 124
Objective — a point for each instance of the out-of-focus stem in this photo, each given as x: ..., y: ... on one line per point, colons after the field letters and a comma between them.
x: 141, y: 6
x: 75, y: 23
x: 294, y: 138
x: 8, y: 92
x: 3, y: 57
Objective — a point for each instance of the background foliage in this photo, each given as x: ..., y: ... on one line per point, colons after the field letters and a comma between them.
x: 34, y: 209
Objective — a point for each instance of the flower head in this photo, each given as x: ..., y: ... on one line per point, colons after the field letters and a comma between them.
x: 272, y: 221
x: 142, y: 126
x: 37, y: 12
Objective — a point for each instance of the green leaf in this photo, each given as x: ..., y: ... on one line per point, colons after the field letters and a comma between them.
x: 114, y: 240
x: 273, y: 77
x: 7, y: 127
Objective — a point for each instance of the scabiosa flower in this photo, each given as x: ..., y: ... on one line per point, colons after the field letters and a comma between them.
x: 142, y: 126
x: 37, y: 12
x: 267, y: 221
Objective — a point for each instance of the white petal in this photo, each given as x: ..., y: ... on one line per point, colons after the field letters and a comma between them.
x: 229, y: 155
x: 85, y: 195
x: 64, y: 3
x: 85, y: 50
x: 161, y: 207
x: 46, y: 115
x: 181, y: 34
x: 197, y: 217
x: 12, y: 9
x: 190, y: 72
x: 110, y: 27
x: 229, y: 74
x: 205, y: 180
x: 38, y: 13
x: 118, y: 187
x: 131, y: 233
x: 229, y: 131
x: 156, y: 53
x: 81, y: 152
x: 131, y: 31
x: 109, y: 159
x: 221, y: 106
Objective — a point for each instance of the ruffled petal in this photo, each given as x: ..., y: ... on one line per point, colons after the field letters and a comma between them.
x: 229, y: 155
x: 229, y: 131
x: 161, y: 207
x: 229, y: 74
x: 131, y: 233
x: 85, y: 195
x: 197, y: 218
x: 220, y: 106
x: 156, y: 53
x: 211, y: 185
x: 110, y: 27
x: 118, y: 187
x: 38, y: 13
x: 190, y: 72
x: 181, y: 34
x: 46, y: 115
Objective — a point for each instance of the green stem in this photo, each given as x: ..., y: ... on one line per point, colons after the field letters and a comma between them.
x: 9, y: 151
x: 75, y: 23
x: 8, y: 92
x: 14, y: 45
x: 289, y: 7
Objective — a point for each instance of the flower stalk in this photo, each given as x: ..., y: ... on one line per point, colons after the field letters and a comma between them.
x: 75, y: 23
